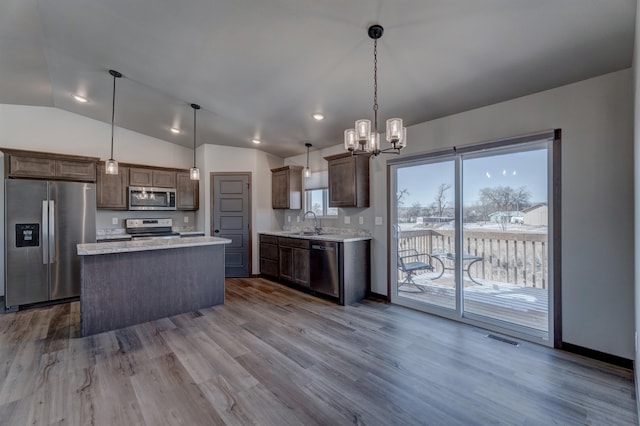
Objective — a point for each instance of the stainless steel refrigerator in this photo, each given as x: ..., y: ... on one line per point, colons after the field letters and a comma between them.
x: 44, y: 220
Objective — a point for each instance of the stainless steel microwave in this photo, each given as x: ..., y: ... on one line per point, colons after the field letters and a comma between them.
x: 146, y: 198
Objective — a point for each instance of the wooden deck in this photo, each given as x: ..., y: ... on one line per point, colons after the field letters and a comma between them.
x: 526, y: 306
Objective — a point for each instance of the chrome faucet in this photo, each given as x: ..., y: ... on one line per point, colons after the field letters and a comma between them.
x: 316, y: 228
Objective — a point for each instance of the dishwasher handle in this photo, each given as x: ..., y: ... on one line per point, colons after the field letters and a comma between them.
x: 323, y: 248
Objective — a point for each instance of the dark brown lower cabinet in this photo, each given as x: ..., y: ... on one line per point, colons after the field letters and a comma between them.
x: 293, y: 260
x: 269, y: 256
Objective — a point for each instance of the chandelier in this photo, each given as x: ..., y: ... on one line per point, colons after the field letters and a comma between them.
x: 364, y: 139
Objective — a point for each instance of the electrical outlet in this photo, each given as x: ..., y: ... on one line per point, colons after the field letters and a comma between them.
x: 347, y: 220
x: 361, y: 220
x: 114, y: 220
x: 289, y: 219
x: 378, y: 220
x: 297, y: 218
x: 186, y: 219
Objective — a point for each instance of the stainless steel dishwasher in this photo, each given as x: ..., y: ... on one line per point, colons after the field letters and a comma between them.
x: 325, y: 267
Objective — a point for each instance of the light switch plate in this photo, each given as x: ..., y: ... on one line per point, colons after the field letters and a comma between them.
x: 347, y: 220
x: 361, y: 220
x: 186, y: 219
x: 289, y: 219
x: 297, y: 218
x: 114, y: 220
x: 378, y: 220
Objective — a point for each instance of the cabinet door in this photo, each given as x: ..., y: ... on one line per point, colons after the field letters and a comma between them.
x: 23, y: 166
x: 140, y: 177
x: 285, y: 263
x: 280, y: 189
x: 342, y: 182
x: 111, y: 190
x: 164, y: 179
x: 186, y: 192
x: 76, y: 170
x: 301, y: 267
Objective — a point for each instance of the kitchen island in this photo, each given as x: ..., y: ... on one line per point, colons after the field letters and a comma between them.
x: 130, y: 282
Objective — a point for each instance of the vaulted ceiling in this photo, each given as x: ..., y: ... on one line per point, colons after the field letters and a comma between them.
x: 260, y: 68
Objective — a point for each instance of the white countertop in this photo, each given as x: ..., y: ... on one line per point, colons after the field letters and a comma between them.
x: 89, y: 249
x: 125, y: 236
x: 339, y: 238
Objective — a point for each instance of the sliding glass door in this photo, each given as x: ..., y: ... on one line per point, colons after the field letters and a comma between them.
x: 471, y: 236
x: 425, y: 226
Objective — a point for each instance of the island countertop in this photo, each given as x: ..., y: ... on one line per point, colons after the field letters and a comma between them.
x: 89, y: 249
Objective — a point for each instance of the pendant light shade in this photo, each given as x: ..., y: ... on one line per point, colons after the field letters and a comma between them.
x: 307, y: 170
x: 364, y: 138
x: 111, y: 165
x: 194, y: 172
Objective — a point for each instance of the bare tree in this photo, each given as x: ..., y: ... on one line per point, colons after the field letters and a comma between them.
x: 504, y: 199
x: 400, y: 196
x: 441, y: 199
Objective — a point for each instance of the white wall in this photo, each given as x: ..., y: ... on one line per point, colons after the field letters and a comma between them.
x: 596, y: 118
x: 216, y: 158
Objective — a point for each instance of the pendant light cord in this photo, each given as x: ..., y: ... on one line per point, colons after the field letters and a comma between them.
x: 113, y: 112
x: 194, y: 137
x: 375, y: 85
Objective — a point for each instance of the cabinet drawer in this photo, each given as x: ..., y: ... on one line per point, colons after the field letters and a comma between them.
x: 268, y: 239
x: 269, y: 267
x: 293, y: 242
x: 268, y: 251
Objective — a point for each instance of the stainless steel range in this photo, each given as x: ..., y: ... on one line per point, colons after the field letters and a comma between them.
x: 140, y: 229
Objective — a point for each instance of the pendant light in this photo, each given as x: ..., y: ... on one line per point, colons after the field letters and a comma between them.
x: 366, y: 140
x: 307, y: 170
x: 111, y: 165
x: 194, y: 172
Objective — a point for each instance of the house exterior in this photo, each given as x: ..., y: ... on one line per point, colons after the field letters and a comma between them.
x: 537, y: 215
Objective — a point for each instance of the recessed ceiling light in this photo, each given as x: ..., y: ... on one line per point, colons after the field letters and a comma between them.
x: 175, y: 130
x: 318, y: 116
x: 256, y: 141
x: 80, y: 99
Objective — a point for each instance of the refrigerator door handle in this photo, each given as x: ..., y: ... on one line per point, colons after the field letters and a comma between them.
x: 45, y: 232
x: 52, y: 231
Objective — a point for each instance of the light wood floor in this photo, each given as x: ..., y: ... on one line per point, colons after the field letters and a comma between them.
x: 274, y: 356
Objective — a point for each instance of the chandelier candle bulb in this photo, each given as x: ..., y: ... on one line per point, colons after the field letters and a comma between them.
x: 394, y: 130
x: 350, y: 139
x: 363, y: 129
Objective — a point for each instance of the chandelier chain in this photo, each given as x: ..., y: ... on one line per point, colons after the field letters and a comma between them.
x: 375, y: 85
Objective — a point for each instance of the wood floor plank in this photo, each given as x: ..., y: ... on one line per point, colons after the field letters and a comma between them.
x: 274, y: 356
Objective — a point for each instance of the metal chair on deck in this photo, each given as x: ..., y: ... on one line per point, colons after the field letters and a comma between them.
x: 410, y: 262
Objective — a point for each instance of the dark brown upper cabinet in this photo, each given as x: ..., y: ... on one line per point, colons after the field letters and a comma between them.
x: 43, y: 165
x: 111, y: 190
x: 348, y: 180
x: 286, y: 187
x: 186, y: 192
x: 152, y: 177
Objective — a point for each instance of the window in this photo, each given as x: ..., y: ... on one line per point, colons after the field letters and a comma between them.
x: 317, y: 200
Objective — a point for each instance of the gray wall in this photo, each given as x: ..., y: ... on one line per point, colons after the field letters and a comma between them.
x: 596, y: 118
x: 636, y: 81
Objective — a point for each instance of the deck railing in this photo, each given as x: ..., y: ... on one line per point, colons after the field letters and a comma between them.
x: 510, y: 257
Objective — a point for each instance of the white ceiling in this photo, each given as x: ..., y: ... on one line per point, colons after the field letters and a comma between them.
x: 260, y: 68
